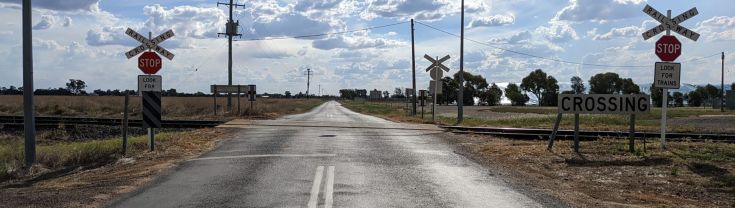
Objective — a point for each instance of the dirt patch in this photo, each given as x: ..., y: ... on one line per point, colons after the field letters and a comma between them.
x: 688, y: 174
x: 94, y: 185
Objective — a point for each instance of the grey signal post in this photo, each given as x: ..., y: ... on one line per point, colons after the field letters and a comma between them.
x: 413, y: 69
x: 29, y: 122
x: 460, y: 99
x: 230, y: 31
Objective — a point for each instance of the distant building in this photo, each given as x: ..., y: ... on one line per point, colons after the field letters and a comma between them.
x: 376, y: 94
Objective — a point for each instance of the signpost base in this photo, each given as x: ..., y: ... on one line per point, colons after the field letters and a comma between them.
x: 151, y: 140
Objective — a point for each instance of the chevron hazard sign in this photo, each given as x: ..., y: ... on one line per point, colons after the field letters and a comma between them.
x: 151, y: 109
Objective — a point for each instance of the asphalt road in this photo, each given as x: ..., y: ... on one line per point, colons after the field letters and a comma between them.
x: 329, y: 157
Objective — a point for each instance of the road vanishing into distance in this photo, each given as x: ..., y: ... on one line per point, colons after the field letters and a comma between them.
x: 329, y: 157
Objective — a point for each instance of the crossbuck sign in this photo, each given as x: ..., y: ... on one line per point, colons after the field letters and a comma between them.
x: 670, y: 24
x: 151, y: 44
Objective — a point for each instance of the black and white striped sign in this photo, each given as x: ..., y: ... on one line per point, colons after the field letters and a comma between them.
x: 151, y: 109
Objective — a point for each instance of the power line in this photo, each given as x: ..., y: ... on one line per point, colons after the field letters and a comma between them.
x: 324, y: 34
x: 528, y: 54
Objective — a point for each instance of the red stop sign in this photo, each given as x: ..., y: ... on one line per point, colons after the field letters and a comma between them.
x: 149, y: 63
x: 668, y: 48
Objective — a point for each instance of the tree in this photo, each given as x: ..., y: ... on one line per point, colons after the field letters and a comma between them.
x: 629, y: 87
x: 386, y: 94
x: 449, y: 91
x: 474, y: 85
x: 492, y: 95
x: 343, y: 93
x: 678, y: 99
x: 288, y: 94
x: 76, y: 86
x: 577, y: 85
x: 544, y: 87
x: 695, y: 98
x: 513, y: 93
x: 656, y: 96
x: 398, y: 93
x: 713, y: 94
x: 606, y: 83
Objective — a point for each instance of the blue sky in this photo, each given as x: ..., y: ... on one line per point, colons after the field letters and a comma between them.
x: 84, y: 39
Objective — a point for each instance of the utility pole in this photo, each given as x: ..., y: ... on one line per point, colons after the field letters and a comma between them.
x: 230, y: 31
x: 320, y: 90
x: 29, y: 125
x: 460, y: 99
x: 413, y: 69
x: 308, y: 81
x: 722, y: 92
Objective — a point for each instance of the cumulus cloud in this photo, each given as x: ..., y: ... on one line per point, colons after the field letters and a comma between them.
x: 50, y: 21
x: 354, y: 42
x: 630, y: 31
x: 426, y: 10
x: 63, y: 5
x: 288, y: 24
x: 601, y: 11
x: 494, y: 20
x: 109, y: 36
x: 186, y: 21
x: 558, y: 31
x: 717, y: 28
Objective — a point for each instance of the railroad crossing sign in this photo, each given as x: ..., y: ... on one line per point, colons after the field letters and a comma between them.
x: 149, y: 63
x: 437, y: 63
x: 149, y: 44
x: 668, y: 48
x: 670, y: 24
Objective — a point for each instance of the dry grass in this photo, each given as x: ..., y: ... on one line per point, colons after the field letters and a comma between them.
x: 687, y: 174
x: 173, y: 107
x: 93, y: 186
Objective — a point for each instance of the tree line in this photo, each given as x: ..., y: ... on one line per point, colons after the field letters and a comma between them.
x: 546, y: 89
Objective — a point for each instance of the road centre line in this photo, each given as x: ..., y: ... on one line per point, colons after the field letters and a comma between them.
x: 329, y: 192
x: 314, y: 199
x: 264, y: 156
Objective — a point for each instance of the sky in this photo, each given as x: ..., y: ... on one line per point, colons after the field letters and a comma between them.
x: 85, y: 39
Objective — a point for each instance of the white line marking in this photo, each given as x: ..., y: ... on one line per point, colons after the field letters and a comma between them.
x: 262, y: 156
x: 314, y: 199
x: 328, y: 193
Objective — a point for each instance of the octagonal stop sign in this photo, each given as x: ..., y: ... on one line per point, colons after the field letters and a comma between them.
x: 149, y: 63
x: 668, y: 48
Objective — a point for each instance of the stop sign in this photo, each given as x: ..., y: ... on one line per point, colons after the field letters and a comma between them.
x: 668, y: 48
x: 149, y: 63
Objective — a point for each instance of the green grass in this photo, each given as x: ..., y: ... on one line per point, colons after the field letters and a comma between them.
x: 70, y: 154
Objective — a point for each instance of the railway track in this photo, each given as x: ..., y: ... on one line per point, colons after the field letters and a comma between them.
x: 41, y: 122
x: 522, y: 133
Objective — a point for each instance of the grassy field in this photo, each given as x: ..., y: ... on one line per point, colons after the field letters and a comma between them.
x: 680, y: 119
x: 173, y: 107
